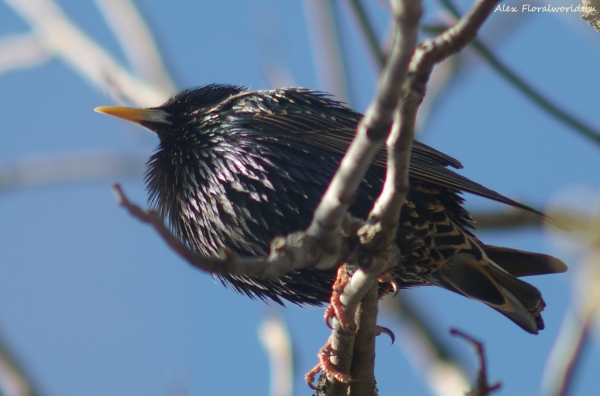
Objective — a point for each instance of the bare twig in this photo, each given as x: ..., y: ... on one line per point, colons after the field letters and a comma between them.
x: 442, y: 369
x: 69, y: 168
x: 276, y: 340
x: 21, y: 50
x: 62, y: 38
x: 366, y: 27
x: 529, y: 91
x: 515, y: 218
x: 566, y: 354
x: 296, y: 251
x: 577, y: 327
x: 326, y: 48
x: 505, y: 219
x: 482, y: 388
x: 137, y: 41
x: 13, y: 378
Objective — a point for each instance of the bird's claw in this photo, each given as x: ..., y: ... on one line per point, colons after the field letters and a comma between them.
x: 326, y: 367
x: 388, y: 279
x: 335, y: 308
x: 329, y: 315
x: 384, y: 330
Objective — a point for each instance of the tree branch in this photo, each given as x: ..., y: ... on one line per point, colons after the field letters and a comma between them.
x: 62, y: 38
x: 482, y: 388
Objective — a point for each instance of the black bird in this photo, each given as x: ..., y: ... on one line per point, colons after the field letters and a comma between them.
x: 235, y: 168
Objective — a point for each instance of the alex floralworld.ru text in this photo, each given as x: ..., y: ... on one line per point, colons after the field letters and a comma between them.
x: 548, y: 8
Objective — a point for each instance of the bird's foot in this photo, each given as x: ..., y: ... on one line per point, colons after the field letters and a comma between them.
x: 334, y: 310
x: 384, y: 330
x: 326, y: 367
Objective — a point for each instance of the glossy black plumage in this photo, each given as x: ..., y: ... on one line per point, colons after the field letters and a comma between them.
x: 235, y: 168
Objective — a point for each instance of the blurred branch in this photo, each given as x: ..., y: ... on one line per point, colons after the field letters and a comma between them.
x: 505, y: 219
x: 514, y: 218
x: 137, y: 42
x: 326, y: 48
x: 21, y: 50
x: 276, y: 340
x: 271, y: 48
x: 368, y: 32
x: 577, y: 327
x: 566, y: 354
x: 69, y: 168
x: 62, y: 38
x: 525, y: 88
x: 14, y: 381
x: 482, y: 388
x: 443, y: 369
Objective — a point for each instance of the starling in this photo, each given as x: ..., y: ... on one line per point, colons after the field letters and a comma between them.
x: 235, y: 168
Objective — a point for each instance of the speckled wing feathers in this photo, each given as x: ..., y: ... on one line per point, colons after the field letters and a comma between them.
x: 331, y: 126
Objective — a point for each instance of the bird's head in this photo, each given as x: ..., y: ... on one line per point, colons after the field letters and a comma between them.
x: 173, y: 116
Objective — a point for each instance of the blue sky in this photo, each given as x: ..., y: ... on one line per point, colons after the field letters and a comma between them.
x: 94, y: 303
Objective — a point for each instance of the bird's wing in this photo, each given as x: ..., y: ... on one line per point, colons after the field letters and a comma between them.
x: 318, y: 121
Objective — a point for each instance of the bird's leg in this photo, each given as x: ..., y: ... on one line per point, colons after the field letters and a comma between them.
x: 335, y: 308
x: 327, y: 368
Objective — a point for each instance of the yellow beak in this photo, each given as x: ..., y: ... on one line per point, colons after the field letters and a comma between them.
x: 136, y: 115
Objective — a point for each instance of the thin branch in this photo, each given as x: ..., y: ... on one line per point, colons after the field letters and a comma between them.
x: 505, y: 219
x: 577, y: 327
x: 572, y: 220
x: 276, y: 340
x: 366, y: 27
x: 21, y: 50
x: 482, y: 388
x: 529, y: 91
x: 442, y: 369
x: 535, y: 96
x: 13, y: 378
x: 326, y: 48
x: 294, y: 252
x: 62, y: 38
x: 137, y: 42
x: 566, y: 354
x: 69, y: 168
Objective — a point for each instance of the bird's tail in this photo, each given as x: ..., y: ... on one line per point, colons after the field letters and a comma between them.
x: 492, y: 280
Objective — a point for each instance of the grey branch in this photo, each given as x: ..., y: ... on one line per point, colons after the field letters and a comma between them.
x: 294, y: 252
x: 482, y: 388
x: 62, y: 38
x: 137, y: 42
x: 69, y: 168
x: 21, y: 50
x: 277, y: 341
